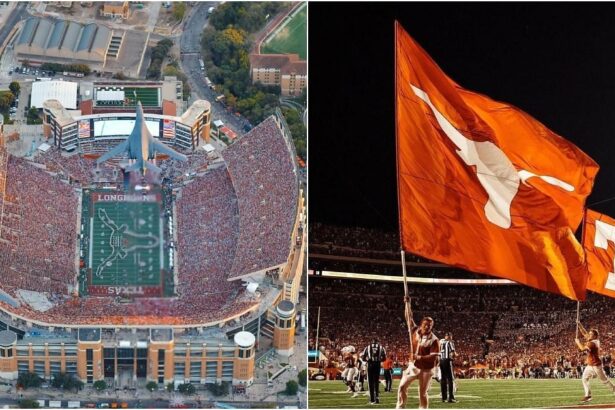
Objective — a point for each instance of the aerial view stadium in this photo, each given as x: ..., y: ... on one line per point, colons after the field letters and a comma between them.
x: 152, y: 208
x: 152, y: 253
x: 461, y: 247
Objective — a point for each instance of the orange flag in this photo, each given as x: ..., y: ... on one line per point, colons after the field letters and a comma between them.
x: 599, y: 244
x: 484, y: 186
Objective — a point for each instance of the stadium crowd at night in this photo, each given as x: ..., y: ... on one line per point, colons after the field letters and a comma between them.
x: 255, y: 190
x: 499, y: 330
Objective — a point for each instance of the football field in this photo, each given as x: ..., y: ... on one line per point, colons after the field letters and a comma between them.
x: 291, y: 38
x: 471, y: 394
x: 126, y: 245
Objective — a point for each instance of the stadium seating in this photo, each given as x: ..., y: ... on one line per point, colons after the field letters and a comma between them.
x: 220, y: 214
x: 497, y: 328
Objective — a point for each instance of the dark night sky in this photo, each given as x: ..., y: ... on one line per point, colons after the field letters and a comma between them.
x: 554, y: 61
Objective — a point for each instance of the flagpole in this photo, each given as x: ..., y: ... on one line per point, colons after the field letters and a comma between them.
x: 317, y: 330
x: 576, y: 333
x: 407, y: 303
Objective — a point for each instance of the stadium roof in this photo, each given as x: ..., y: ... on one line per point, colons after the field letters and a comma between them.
x: 63, y: 38
x: 63, y: 91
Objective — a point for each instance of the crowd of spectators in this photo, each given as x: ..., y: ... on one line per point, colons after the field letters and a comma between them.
x: 231, y: 220
x: 499, y: 330
x: 38, y: 231
x: 265, y: 181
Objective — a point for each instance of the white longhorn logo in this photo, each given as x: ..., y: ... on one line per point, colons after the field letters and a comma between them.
x: 605, y: 233
x: 495, y: 172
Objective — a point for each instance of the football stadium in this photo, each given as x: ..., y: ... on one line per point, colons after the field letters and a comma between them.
x: 186, y: 276
x: 514, y: 345
x: 472, y: 272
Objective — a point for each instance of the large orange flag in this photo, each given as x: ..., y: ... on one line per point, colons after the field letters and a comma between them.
x: 484, y: 186
x: 599, y: 241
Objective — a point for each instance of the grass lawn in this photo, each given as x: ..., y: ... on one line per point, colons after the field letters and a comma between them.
x: 470, y: 394
x: 292, y: 38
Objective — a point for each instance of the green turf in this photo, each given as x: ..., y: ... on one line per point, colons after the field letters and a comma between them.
x: 136, y: 259
x: 291, y: 38
x: 148, y: 96
x: 470, y: 393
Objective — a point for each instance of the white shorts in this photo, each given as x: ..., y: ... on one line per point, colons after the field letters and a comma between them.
x: 349, y: 374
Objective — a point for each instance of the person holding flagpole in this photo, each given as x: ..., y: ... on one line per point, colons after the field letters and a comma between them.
x: 593, y: 366
x: 425, y: 350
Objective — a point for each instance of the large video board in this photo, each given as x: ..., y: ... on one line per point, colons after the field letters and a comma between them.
x: 121, y: 127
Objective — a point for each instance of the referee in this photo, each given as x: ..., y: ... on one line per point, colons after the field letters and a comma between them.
x: 373, y: 355
x: 447, y: 352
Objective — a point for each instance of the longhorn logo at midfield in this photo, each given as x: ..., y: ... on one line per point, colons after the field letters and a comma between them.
x: 495, y: 172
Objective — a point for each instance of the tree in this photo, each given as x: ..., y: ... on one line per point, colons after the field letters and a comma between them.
x: 27, y: 380
x: 151, y: 386
x: 28, y: 404
x: 14, y: 87
x: 66, y: 382
x: 291, y: 388
x: 302, y: 378
x: 100, y: 385
x: 218, y: 389
x: 120, y: 76
x: 6, y: 99
x: 170, y: 387
x: 186, y: 389
x: 179, y: 9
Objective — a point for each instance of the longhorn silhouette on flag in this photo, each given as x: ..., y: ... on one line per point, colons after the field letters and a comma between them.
x: 483, y: 185
x: 599, y: 245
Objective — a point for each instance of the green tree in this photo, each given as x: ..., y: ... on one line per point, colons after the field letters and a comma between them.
x: 179, y: 9
x: 27, y: 380
x: 291, y: 388
x: 66, y: 382
x: 218, y: 389
x: 6, y: 99
x: 187, y: 389
x: 28, y: 404
x: 151, y: 386
x: 302, y: 378
x: 170, y: 387
x: 14, y: 87
x: 100, y: 385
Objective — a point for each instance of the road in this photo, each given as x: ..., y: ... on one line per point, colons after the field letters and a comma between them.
x: 17, y: 14
x: 190, y: 46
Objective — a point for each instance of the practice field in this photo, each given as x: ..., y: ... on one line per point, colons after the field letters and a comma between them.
x: 291, y: 38
x: 471, y: 394
x: 149, y: 97
x: 125, y: 245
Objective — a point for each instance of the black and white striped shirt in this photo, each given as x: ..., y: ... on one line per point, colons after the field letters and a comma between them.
x: 446, y: 349
x: 374, y: 353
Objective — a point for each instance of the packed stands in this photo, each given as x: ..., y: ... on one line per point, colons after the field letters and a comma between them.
x: 499, y: 330
x: 232, y: 218
x: 37, y: 246
x: 265, y: 181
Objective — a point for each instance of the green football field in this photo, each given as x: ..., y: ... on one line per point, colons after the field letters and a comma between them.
x: 471, y: 394
x: 125, y: 244
x: 148, y: 96
x: 292, y: 38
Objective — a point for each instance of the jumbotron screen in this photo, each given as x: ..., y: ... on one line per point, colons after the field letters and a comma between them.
x: 116, y: 127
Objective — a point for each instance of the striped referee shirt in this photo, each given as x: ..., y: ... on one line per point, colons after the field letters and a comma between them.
x: 446, y: 349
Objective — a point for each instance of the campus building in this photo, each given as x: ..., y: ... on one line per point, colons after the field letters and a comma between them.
x: 115, y: 9
x: 61, y: 41
x: 153, y: 355
x: 284, y: 70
